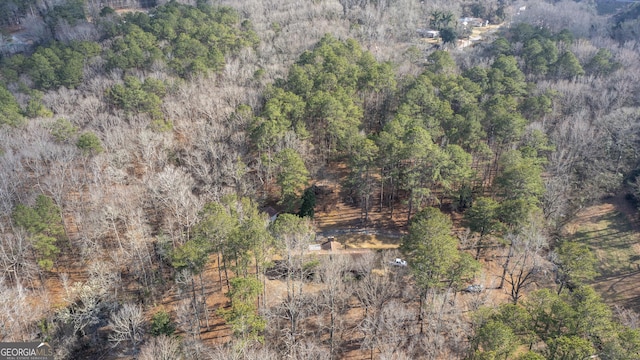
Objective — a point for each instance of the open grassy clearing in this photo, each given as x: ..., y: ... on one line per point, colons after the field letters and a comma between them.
x: 375, y: 242
x: 611, y: 235
x: 611, y: 230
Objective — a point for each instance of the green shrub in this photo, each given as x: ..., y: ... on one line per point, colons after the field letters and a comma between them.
x: 63, y: 130
x: 10, y: 113
x: 35, y: 107
x: 89, y: 142
x: 161, y: 324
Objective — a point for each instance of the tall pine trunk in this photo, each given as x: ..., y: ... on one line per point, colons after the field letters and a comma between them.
x: 196, y: 311
x: 204, y: 301
x: 506, y: 265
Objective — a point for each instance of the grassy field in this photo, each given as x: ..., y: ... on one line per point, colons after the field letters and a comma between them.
x: 612, y: 236
x: 375, y: 242
x: 611, y: 230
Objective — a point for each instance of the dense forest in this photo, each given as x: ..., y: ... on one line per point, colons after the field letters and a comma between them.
x: 145, y: 147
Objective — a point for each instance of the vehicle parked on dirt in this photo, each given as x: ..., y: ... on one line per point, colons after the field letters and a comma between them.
x: 475, y: 288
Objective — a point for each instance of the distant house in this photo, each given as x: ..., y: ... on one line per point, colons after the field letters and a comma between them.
x: 315, y: 247
x: 470, y: 21
x: 331, y: 245
x: 431, y: 34
x: 271, y: 212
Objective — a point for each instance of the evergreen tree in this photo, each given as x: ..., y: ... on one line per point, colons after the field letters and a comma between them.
x: 568, y: 66
x: 10, y: 112
x: 43, y: 223
x: 243, y: 316
x: 431, y: 251
x: 576, y: 264
x: 161, y: 324
x: 483, y: 218
x: 292, y: 176
x: 89, y: 143
x: 308, y: 203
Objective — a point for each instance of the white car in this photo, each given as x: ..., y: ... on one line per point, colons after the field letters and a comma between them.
x: 475, y: 288
x: 399, y: 262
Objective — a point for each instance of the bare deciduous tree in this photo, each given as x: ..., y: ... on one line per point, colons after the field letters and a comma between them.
x: 16, y: 258
x: 187, y: 318
x: 374, y: 290
x: 396, y: 322
x: 105, y: 275
x: 20, y: 309
x: 139, y: 245
x: 127, y: 325
x: 171, y: 190
x: 336, y: 271
x: 161, y: 347
x: 628, y: 317
x: 524, y: 262
x: 578, y: 18
x: 86, y: 304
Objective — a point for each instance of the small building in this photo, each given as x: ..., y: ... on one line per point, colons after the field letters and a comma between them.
x: 430, y: 34
x: 470, y: 21
x: 271, y: 212
x: 331, y: 245
x: 315, y: 247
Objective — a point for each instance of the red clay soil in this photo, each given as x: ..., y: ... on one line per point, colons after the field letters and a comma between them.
x: 336, y: 209
x: 219, y: 332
